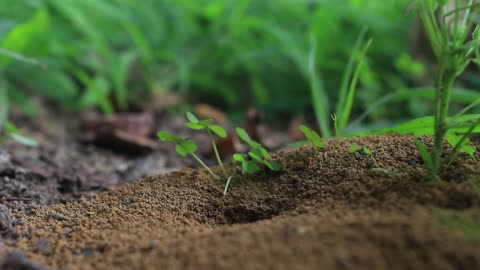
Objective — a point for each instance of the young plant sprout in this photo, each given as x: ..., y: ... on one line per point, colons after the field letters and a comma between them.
x: 184, y: 147
x: 206, y: 124
x: 312, y: 137
x: 357, y: 148
x: 259, y: 156
x: 7, y: 129
x: 453, y: 50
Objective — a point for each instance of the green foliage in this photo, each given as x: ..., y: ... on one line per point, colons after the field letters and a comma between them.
x: 312, y: 137
x: 106, y: 54
x: 427, y: 159
x: 354, y: 148
x: 7, y: 129
x: 183, y: 146
x: 347, y: 88
x: 259, y: 158
x: 453, y: 51
x: 196, y: 124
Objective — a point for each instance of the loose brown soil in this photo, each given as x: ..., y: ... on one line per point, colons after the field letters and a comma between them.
x: 324, y: 211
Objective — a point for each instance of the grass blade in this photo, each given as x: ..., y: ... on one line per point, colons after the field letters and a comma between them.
x: 319, y: 96
x: 349, y: 71
x: 427, y: 159
x: 3, y: 105
x: 344, y: 111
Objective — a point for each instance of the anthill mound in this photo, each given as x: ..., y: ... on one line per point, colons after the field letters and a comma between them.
x: 326, y: 210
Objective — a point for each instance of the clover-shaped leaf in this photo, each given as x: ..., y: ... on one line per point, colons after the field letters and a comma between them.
x: 244, y: 136
x: 185, y: 147
x: 168, y: 137
x: 218, y: 130
x: 196, y: 124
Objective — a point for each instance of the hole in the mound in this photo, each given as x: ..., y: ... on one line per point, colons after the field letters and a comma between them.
x: 240, y: 214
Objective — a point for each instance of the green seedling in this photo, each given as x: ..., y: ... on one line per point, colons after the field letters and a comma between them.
x: 449, y: 35
x: 12, y: 132
x: 354, y: 148
x: 347, y: 89
x: 184, y: 147
x: 258, y: 157
x: 312, y: 137
x: 206, y: 124
x: 7, y: 129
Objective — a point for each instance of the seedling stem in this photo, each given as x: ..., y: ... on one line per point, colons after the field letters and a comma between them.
x: 204, y: 165
x: 217, y: 156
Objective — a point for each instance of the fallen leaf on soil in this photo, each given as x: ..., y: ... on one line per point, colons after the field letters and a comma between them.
x: 127, y: 133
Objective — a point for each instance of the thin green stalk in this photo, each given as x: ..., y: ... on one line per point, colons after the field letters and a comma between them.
x: 204, y: 165
x: 441, y: 113
x: 335, y: 125
x: 217, y: 156
x: 454, y: 152
x: 227, y: 185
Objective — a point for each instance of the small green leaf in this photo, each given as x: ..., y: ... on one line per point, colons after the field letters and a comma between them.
x: 191, y: 117
x: 11, y: 128
x: 195, y: 126
x: 243, y: 135
x: 168, y: 137
x: 316, y: 140
x: 273, y: 165
x: 181, y: 150
x: 205, y: 122
x: 188, y: 145
x: 23, y: 140
x: 305, y: 130
x: 469, y: 149
x: 254, y: 144
x: 250, y: 167
x: 354, y: 148
x: 256, y: 154
x: 239, y: 157
x: 312, y: 136
x: 185, y: 147
x: 218, y: 130
x: 3, y: 104
x: 427, y: 159
x: 367, y: 151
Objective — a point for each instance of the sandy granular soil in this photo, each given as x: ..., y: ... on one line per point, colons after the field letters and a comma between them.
x: 324, y: 211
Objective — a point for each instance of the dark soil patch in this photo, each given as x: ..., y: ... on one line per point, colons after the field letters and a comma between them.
x: 324, y: 211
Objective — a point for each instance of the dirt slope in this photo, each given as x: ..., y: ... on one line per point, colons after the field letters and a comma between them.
x: 324, y: 211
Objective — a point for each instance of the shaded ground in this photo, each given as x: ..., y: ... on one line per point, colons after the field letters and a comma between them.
x: 324, y: 211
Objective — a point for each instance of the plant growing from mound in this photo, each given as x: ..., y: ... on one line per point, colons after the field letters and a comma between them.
x: 449, y: 39
x: 258, y: 157
x: 185, y: 146
x: 354, y: 148
x: 312, y: 137
x: 257, y: 160
x: 207, y: 125
x: 7, y: 129
x: 454, y: 46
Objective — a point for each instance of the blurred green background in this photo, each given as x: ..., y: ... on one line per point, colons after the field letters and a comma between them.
x: 232, y: 54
